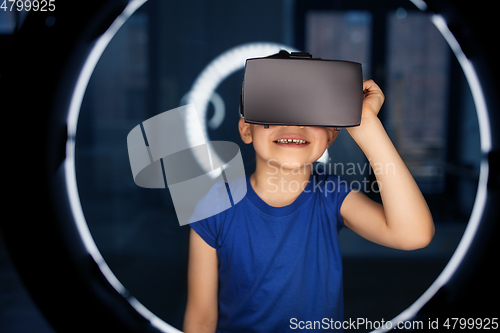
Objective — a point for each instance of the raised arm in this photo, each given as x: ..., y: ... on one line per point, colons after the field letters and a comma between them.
x: 202, y: 306
x: 403, y: 221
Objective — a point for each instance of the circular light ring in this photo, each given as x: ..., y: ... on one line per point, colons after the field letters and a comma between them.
x: 69, y: 165
x: 201, y: 93
x: 78, y: 216
x: 219, y: 109
x: 207, y: 82
x: 481, y: 194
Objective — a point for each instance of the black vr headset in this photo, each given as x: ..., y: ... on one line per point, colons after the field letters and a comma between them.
x: 297, y: 90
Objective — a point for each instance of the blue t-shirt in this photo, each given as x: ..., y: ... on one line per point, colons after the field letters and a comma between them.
x: 279, y: 265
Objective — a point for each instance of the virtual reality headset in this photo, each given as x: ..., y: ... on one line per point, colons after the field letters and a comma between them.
x: 297, y: 90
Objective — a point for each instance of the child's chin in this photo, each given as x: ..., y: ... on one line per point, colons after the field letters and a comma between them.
x: 289, y: 166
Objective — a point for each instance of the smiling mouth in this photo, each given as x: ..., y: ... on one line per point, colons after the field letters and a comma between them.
x: 293, y: 141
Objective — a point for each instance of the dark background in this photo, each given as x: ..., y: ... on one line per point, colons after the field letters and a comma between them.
x: 155, y: 58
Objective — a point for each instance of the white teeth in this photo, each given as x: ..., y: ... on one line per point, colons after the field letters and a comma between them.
x: 296, y: 141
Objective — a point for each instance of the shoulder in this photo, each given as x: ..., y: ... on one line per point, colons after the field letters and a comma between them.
x: 221, y: 197
x: 215, y: 211
x: 330, y: 185
x: 213, y: 202
x: 331, y: 191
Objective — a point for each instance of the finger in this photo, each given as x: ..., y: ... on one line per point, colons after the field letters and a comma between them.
x: 370, y: 88
x: 370, y: 85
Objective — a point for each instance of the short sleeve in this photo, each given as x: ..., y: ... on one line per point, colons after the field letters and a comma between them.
x: 208, y: 227
x: 207, y: 230
x: 335, y: 191
x: 344, y: 190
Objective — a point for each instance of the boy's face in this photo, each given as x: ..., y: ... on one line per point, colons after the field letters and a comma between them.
x: 287, y: 147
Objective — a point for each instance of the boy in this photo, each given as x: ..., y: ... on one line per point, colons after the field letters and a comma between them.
x: 274, y: 257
